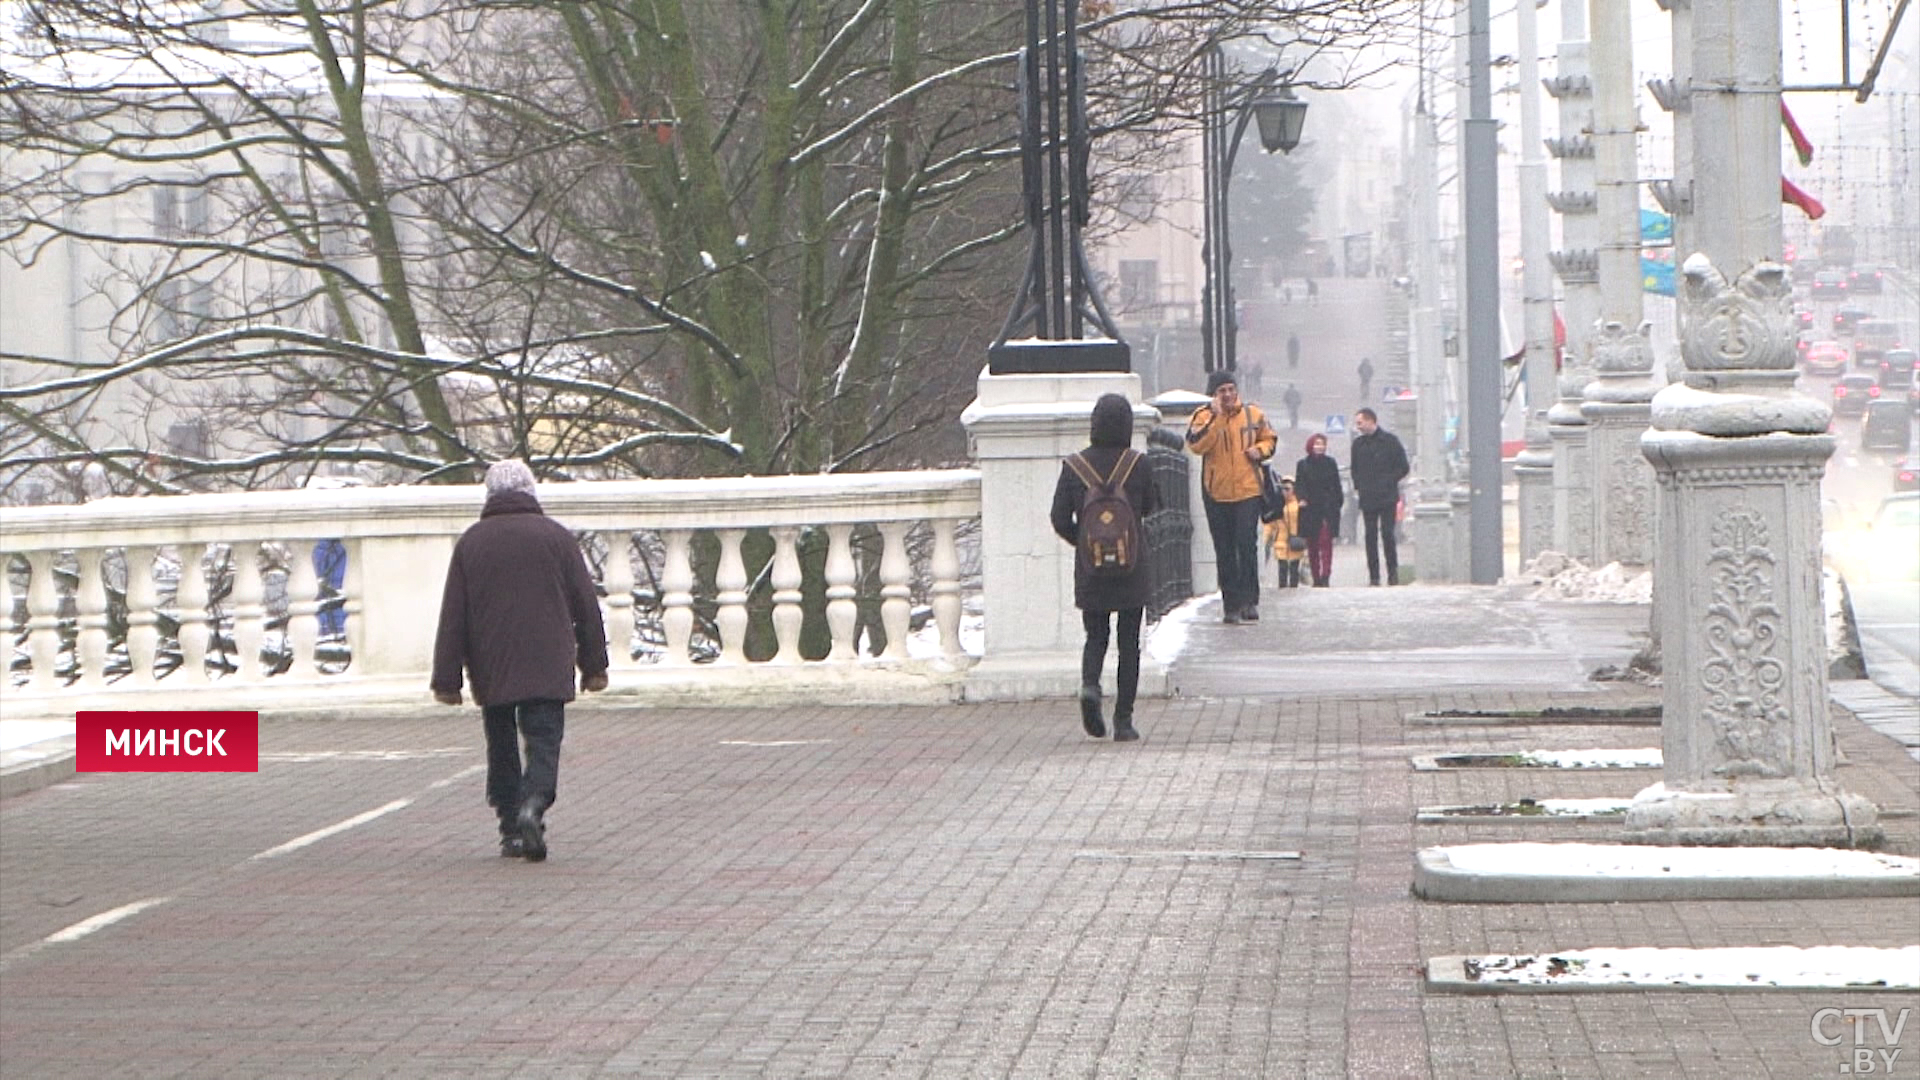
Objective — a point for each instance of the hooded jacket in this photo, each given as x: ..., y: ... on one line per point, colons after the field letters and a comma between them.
x: 1111, y: 434
x: 1316, y: 481
x: 1222, y: 441
x: 519, y: 612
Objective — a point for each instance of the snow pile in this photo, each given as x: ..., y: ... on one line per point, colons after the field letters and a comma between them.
x: 1562, y: 577
x: 1169, y: 636
x: 1822, y: 966
x: 1642, y: 860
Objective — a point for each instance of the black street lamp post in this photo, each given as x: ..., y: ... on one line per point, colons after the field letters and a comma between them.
x: 1064, y: 325
x: 1269, y: 102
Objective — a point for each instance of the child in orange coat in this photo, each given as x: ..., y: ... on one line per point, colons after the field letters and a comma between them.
x: 1283, y: 538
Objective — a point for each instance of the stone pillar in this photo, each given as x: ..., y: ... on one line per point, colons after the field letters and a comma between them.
x: 1020, y: 427
x: 1617, y: 406
x: 1577, y: 264
x: 1739, y: 455
x: 1533, y: 469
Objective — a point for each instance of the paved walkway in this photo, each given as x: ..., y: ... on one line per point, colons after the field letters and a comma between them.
x: 969, y: 891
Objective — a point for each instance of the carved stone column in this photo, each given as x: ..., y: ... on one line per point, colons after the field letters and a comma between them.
x: 1617, y: 405
x: 1739, y: 455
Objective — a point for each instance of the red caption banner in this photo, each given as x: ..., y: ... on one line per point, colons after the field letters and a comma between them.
x: 166, y: 742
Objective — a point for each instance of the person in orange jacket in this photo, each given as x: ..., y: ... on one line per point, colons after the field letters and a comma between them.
x: 1234, y: 442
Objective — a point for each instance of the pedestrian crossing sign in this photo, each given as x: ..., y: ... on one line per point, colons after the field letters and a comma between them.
x: 1336, y: 424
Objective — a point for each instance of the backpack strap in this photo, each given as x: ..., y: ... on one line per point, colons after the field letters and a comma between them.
x: 1123, y: 469
x: 1084, y: 471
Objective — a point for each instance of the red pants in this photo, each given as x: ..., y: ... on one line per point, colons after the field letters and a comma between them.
x: 1320, y: 553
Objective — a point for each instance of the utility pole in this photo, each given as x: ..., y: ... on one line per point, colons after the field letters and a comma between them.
x: 1433, y: 539
x: 1482, y: 233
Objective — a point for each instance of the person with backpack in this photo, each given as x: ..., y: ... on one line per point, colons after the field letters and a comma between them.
x: 1100, y: 506
x: 1234, y: 441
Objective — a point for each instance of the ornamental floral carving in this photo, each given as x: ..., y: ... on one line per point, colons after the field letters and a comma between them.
x: 1619, y: 351
x: 1743, y: 678
x: 1745, y: 326
x: 1629, y: 506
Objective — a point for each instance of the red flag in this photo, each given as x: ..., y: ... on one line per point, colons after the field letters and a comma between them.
x: 1791, y: 193
x: 1801, y: 146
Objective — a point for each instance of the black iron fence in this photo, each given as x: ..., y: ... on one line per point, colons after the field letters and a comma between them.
x: 1170, y: 526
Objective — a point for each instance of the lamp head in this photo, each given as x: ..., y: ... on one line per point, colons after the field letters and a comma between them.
x: 1281, y: 116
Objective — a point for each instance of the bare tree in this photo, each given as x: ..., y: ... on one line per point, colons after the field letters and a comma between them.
x: 618, y: 237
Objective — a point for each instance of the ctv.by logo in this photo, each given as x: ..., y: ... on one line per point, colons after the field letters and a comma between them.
x: 1828, y: 1028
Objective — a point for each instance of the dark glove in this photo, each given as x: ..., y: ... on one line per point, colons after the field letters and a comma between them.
x: 593, y: 684
x: 447, y: 697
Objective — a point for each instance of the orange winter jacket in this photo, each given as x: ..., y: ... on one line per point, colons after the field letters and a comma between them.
x: 1221, y: 441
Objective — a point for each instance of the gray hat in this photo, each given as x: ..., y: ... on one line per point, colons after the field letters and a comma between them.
x: 509, y: 475
x: 1218, y: 379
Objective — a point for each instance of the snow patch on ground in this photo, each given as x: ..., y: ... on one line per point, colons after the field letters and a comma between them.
x: 1646, y: 757
x: 18, y: 733
x: 1782, y: 965
x: 1562, y: 577
x: 1169, y: 637
x: 1645, y: 860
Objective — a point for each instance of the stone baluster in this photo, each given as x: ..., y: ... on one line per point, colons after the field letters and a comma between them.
x: 676, y: 602
x: 90, y: 647
x: 787, y: 578
x: 249, y: 613
x: 43, y: 619
x: 842, y: 615
x: 143, y: 624
x: 352, y: 589
x: 190, y: 603
x: 946, y: 586
x: 303, y: 608
x: 896, y: 592
x: 731, y: 581
x: 619, y: 583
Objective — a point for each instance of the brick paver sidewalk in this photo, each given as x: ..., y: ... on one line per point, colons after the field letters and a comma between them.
x: 970, y: 891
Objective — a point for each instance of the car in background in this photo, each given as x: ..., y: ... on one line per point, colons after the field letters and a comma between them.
x: 1897, y: 369
x: 1892, y: 548
x: 1852, y: 392
x: 1829, y: 285
x: 1826, y: 358
x: 1846, y: 317
x: 1906, y: 472
x: 1802, y: 319
x: 1872, y: 338
x: 1885, y: 426
x: 1864, y: 279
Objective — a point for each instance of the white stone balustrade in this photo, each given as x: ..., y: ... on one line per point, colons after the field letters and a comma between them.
x: 398, y: 542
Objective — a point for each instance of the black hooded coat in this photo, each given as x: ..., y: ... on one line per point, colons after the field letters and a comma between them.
x: 1111, y: 434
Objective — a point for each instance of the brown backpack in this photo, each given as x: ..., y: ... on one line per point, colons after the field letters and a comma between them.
x: 1109, y: 525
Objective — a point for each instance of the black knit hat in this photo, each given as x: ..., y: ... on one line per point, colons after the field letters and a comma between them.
x: 1218, y: 379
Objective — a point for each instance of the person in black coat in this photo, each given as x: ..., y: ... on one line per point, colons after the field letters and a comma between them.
x: 518, y: 615
x: 1316, y: 482
x: 1104, y: 598
x: 1379, y: 463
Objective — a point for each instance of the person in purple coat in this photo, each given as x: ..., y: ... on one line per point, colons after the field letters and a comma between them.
x: 518, y: 616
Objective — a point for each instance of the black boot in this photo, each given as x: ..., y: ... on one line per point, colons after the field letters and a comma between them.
x: 1123, y: 727
x: 533, y: 832
x: 1090, y: 712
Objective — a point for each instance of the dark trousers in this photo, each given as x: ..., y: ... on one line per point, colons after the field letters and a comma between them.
x: 1320, y: 554
x: 1235, y: 527
x: 542, y: 724
x: 1290, y: 573
x: 1094, y: 656
x: 1380, y: 528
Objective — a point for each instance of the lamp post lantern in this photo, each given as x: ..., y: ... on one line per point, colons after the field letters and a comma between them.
x: 1268, y: 102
